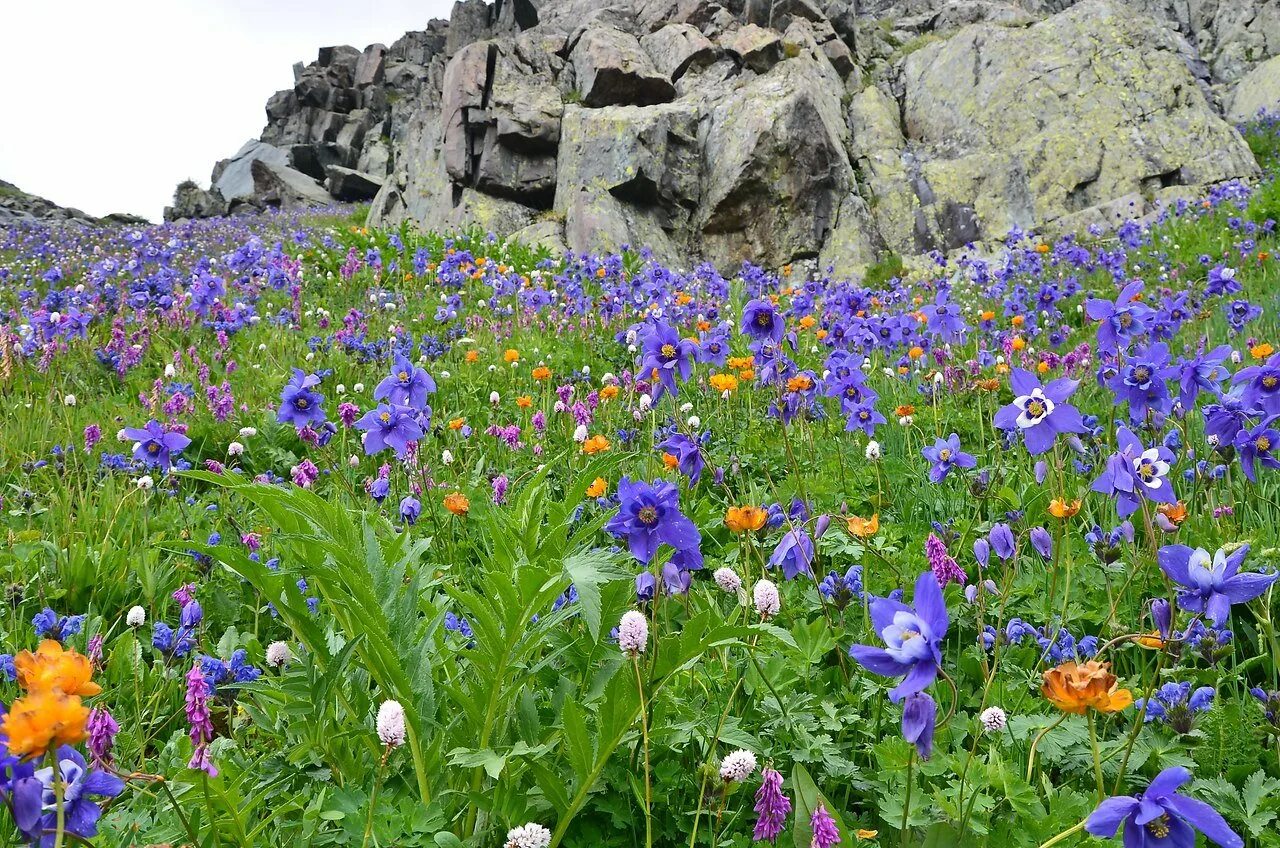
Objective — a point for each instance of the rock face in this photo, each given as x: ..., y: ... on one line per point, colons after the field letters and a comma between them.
x: 18, y: 208
x: 1257, y: 90
x: 767, y: 130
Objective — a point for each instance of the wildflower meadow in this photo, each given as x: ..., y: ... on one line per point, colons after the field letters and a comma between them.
x: 322, y: 535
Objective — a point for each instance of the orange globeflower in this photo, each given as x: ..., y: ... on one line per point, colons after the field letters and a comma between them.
x: 52, y: 669
x: 741, y: 519
x: 1018, y: 320
x: 864, y: 528
x: 800, y: 383
x: 1078, y: 687
x: 916, y: 352
x: 1042, y: 248
x: 808, y: 321
x: 44, y: 720
x: 1018, y: 343
x: 1042, y: 367
x: 597, y: 488
x: 989, y: 384
x: 723, y: 382
x: 511, y: 355
x: 457, y: 423
x: 1261, y: 351
x: 1172, y: 514
x: 542, y: 372
x: 747, y: 374
x: 609, y: 392
x: 671, y: 461
x: 457, y: 503
x: 1060, y: 508
x: 473, y: 356
x: 524, y: 401
x: 1153, y: 640
x: 904, y: 410
x: 988, y: 315
x: 595, y: 445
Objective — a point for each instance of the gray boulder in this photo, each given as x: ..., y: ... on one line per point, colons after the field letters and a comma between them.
x: 191, y: 201
x: 233, y: 178
x: 349, y: 185
x: 280, y: 186
x: 677, y: 47
x: 612, y: 70
x: 1258, y: 89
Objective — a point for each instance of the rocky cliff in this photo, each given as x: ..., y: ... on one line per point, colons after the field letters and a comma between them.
x: 768, y: 130
x: 18, y: 207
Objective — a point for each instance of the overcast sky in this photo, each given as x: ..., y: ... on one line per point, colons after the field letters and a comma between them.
x: 109, y: 105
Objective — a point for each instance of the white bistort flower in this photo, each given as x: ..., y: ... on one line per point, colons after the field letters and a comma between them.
x: 767, y: 600
x: 873, y: 451
x: 391, y: 729
x: 136, y: 617
x: 738, y: 766
x: 993, y: 719
x: 633, y: 633
x: 727, y: 579
x: 528, y: 836
x: 279, y: 655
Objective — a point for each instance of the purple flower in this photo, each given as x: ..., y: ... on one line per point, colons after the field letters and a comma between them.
x: 825, y: 833
x: 154, y: 446
x: 762, y: 321
x: 794, y: 554
x: 410, y: 509
x: 1258, y: 445
x: 687, y: 452
x: 941, y: 563
x: 1040, y: 412
x: 1042, y: 542
x: 919, y: 717
x: 1162, y: 817
x: 912, y: 637
x: 1203, y: 373
x: 389, y: 426
x: 666, y: 353
x: 1133, y: 474
x: 34, y: 801
x: 1121, y: 319
x: 648, y: 516
x: 200, y: 720
x: 407, y: 384
x: 1142, y: 382
x: 944, y: 319
x: 1162, y: 617
x: 1176, y: 705
x: 1212, y: 585
x: 1261, y: 385
x: 1002, y: 541
x: 102, y: 736
x: 945, y: 454
x: 772, y: 807
x: 864, y: 417
x: 299, y: 405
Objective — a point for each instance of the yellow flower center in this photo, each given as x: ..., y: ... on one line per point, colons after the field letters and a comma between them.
x: 386, y: 417
x: 1269, y: 381
x: 1159, y: 828
x: 404, y: 376
x: 1035, y: 409
x: 648, y: 515
x: 301, y: 403
x: 945, y: 454
x: 668, y: 350
x: 1262, y: 443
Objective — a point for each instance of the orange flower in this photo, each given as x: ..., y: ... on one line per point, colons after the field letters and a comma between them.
x: 800, y: 383
x: 989, y: 384
x: 864, y: 528
x: 904, y: 410
x: 473, y: 356
x: 1075, y: 688
x: 1042, y: 248
x: 747, y: 374
x: 597, y: 488
x: 52, y: 669
x: 741, y: 519
x: 1042, y: 367
x: 808, y: 321
x: 1261, y: 351
x: 740, y: 362
x: 44, y: 720
x: 1018, y: 320
x: 511, y: 355
x: 821, y: 334
x: 723, y: 382
x: 609, y: 392
x: 600, y: 273
x: 542, y: 372
x: 1060, y: 508
x: 671, y: 461
x: 595, y: 445
x: 988, y: 315
x: 1174, y: 513
x: 457, y: 423
x: 863, y: 833
x: 457, y: 503
x: 524, y: 401
x: 916, y: 352
x: 1018, y: 343
x: 1151, y: 640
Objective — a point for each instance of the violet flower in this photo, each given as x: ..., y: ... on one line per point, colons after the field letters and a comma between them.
x: 945, y: 454
x: 912, y: 637
x: 154, y: 446
x: 1162, y: 817
x: 648, y: 516
x: 1039, y: 412
x: 1133, y: 474
x: 772, y: 807
x: 919, y: 719
x: 1211, y: 586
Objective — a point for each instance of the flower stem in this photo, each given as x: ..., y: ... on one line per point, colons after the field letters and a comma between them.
x: 1061, y: 836
x: 58, y: 791
x: 906, y: 803
x: 373, y: 798
x: 644, y: 732
x: 1097, y: 759
x: 1035, y: 743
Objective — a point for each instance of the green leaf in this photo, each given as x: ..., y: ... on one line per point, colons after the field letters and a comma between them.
x: 808, y: 796
x: 588, y: 571
x: 445, y: 839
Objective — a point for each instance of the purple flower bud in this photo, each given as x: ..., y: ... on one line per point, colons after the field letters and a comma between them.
x: 990, y: 586
x: 919, y: 717
x: 192, y: 614
x: 1042, y: 471
x: 971, y: 593
x: 824, y: 521
x: 981, y: 552
x: 1042, y: 542
x: 1162, y: 615
x: 646, y: 586
x: 1002, y: 543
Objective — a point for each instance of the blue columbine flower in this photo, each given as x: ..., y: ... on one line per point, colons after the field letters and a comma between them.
x: 945, y: 454
x: 1212, y: 585
x: 687, y: 453
x: 1175, y: 704
x: 649, y: 515
x: 1039, y: 412
x: 919, y: 718
x: 389, y: 426
x: 794, y: 554
x: 1133, y: 474
x: 35, y: 805
x: 912, y: 637
x: 299, y: 405
x: 407, y: 385
x: 154, y: 446
x: 762, y: 321
x: 664, y: 352
x: 1258, y: 445
x: 1160, y: 817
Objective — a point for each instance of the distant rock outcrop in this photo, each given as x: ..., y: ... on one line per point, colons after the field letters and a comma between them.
x: 766, y: 130
x: 18, y: 207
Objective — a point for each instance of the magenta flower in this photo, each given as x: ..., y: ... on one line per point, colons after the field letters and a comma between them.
x: 825, y: 833
x: 772, y: 807
x: 200, y: 719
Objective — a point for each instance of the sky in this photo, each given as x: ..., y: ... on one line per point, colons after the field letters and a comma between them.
x: 109, y: 105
